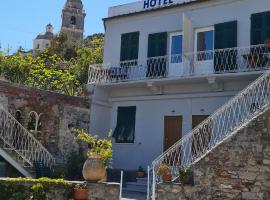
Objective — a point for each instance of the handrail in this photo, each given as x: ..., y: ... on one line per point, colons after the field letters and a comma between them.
x: 237, y: 59
x: 21, y: 141
x: 216, y: 128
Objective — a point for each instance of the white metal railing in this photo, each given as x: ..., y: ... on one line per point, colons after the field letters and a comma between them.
x: 15, y: 137
x: 214, y: 130
x: 238, y: 59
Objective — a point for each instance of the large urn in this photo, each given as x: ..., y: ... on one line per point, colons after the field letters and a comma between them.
x: 94, y: 170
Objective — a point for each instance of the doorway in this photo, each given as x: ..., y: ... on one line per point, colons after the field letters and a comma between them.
x: 172, y: 130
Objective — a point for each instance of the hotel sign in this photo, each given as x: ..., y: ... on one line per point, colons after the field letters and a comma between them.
x: 156, y: 3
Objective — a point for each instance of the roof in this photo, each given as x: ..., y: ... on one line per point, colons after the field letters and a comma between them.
x: 135, y: 4
x: 73, y: 4
x: 45, y: 36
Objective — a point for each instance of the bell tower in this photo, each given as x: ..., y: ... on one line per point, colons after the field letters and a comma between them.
x: 73, y: 17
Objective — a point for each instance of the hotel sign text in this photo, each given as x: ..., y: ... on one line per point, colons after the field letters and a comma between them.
x: 156, y: 3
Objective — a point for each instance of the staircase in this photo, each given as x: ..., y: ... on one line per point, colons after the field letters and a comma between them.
x: 139, y: 186
x: 221, y: 125
x: 20, y: 148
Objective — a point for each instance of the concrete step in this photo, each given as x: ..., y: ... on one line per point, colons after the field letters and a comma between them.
x: 135, y: 190
x: 136, y: 186
x: 142, y: 180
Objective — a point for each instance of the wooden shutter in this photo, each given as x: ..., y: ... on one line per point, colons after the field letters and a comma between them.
x: 157, y: 44
x: 260, y: 27
x: 129, y: 46
x: 225, y: 37
x: 125, y: 128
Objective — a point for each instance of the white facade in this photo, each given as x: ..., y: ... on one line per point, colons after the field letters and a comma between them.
x: 43, y: 40
x: 179, y: 93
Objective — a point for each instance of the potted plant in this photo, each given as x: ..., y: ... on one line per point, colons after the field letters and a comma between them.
x: 80, y: 192
x: 99, y: 155
x: 164, y: 171
x: 140, y: 172
x: 267, y: 43
x: 185, y: 176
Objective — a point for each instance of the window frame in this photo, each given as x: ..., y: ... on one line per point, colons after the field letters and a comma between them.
x: 200, y: 30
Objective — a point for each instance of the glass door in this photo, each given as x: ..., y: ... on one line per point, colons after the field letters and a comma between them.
x: 175, y: 54
x: 204, y: 47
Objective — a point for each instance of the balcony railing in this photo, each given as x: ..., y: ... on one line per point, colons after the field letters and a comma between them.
x: 231, y: 60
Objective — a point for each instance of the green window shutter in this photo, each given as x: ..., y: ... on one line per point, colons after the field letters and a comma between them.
x: 125, y: 128
x: 225, y: 37
x: 129, y: 46
x: 260, y: 28
x: 157, y: 44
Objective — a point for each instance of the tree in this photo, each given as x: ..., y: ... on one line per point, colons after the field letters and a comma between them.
x: 91, y: 53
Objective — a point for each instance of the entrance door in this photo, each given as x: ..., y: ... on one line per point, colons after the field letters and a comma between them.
x: 202, y: 137
x: 175, y: 59
x: 197, y: 119
x: 172, y: 130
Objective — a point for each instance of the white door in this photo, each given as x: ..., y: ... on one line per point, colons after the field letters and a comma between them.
x: 204, y: 47
x: 175, y: 55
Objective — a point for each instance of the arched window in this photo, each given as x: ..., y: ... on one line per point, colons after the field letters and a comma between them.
x: 18, y: 116
x: 73, y: 20
x: 38, y: 46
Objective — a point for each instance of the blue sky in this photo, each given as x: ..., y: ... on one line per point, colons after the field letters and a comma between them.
x: 22, y: 20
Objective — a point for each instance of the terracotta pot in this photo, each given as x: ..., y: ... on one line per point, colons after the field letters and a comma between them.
x: 167, y: 177
x: 140, y: 174
x: 94, y: 170
x: 80, y: 194
x: 267, y: 44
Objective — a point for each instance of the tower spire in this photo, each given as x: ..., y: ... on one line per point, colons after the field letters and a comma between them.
x: 73, y: 17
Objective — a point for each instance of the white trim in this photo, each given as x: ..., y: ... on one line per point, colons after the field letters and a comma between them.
x: 200, y: 30
x: 175, y: 96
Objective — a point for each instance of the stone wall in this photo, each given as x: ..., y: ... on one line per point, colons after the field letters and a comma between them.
x: 239, y: 168
x: 58, y: 113
x: 59, y: 190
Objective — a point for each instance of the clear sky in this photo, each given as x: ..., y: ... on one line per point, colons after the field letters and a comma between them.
x: 23, y: 20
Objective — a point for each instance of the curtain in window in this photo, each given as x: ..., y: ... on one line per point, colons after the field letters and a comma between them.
x: 125, y: 128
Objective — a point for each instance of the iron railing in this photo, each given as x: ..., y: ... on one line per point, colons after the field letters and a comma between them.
x: 18, y: 139
x: 231, y: 60
x: 222, y: 124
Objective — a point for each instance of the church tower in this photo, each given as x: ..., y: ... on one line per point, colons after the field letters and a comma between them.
x: 73, y: 19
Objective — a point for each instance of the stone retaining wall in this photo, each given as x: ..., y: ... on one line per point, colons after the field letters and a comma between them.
x: 58, y: 112
x: 239, y: 168
x: 96, y: 191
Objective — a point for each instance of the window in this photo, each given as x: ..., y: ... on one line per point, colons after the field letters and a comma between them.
x: 225, y: 38
x: 38, y: 46
x: 73, y: 20
x: 157, y: 50
x: 260, y: 27
x: 176, y: 44
x: 125, y: 128
x: 205, y: 43
x: 129, y: 46
x: 157, y: 44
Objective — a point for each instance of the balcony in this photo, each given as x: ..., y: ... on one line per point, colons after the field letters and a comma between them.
x: 231, y: 60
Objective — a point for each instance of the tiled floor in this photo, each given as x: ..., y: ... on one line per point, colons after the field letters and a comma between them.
x: 133, y: 196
